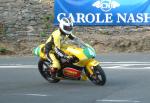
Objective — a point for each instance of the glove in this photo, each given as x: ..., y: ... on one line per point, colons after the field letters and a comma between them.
x: 70, y: 59
x: 73, y: 59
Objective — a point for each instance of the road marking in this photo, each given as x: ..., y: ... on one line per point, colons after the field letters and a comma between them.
x: 126, y: 68
x: 146, y: 67
x: 119, y: 101
x: 39, y: 95
x: 30, y: 94
x: 105, y: 65
x: 131, y: 62
x: 126, y: 65
x: 17, y: 66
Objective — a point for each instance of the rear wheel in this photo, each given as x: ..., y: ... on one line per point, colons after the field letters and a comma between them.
x: 43, y: 67
x: 99, y: 77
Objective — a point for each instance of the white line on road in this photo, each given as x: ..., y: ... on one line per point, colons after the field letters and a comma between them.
x: 30, y: 94
x: 111, y: 67
x: 17, y: 66
x: 134, y: 62
x: 119, y: 101
x: 127, y: 68
x: 105, y: 65
x: 39, y: 95
x: 126, y: 64
x: 146, y: 67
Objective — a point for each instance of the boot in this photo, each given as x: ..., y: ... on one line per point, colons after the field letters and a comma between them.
x: 53, y: 72
x: 84, y: 77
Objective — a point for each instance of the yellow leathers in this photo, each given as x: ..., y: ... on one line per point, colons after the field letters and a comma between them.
x: 55, y: 40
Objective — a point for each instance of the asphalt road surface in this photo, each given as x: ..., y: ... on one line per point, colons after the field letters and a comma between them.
x: 128, y: 81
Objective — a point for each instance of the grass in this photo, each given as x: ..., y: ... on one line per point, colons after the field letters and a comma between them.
x: 3, y: 50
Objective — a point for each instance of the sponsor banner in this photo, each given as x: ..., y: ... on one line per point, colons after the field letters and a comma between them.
x: 103, y: 12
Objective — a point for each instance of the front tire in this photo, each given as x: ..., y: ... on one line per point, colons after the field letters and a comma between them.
x: 43, y: 67
x: 99, y: 77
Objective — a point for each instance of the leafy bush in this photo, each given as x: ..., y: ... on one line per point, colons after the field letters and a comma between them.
x: 3, y: 50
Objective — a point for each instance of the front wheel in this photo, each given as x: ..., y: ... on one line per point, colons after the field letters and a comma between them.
x: 43, y: 67
x: 98, y: 77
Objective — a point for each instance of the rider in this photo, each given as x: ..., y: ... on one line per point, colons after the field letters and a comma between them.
x: 54, y: 43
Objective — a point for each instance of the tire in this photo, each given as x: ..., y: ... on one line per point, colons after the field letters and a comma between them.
x: 43, y: 69
x: 99, y: 77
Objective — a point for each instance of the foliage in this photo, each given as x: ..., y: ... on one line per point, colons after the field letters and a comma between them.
x: 3, y: 50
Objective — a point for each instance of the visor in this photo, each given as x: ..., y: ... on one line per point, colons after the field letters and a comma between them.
x: 68, y: 28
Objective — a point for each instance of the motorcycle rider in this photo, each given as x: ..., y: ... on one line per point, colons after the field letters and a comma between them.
x: 54, y: 43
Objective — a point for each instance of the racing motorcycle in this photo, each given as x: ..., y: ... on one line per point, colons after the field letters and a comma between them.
x: 82, y: 65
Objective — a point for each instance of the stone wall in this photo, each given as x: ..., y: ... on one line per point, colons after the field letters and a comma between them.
x: 25, y: 17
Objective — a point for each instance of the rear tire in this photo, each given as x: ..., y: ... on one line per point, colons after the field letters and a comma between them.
x: 43, y: 67
x: 99, y: 77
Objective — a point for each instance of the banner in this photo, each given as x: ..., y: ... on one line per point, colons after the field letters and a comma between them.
x: 103, y: 12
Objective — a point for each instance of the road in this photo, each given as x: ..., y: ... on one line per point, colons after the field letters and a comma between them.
x: 128, y: 81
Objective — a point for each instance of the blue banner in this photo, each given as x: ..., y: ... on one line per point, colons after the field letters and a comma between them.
x: 103, y: 12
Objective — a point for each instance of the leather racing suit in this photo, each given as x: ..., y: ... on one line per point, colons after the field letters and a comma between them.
x: 53, y: 45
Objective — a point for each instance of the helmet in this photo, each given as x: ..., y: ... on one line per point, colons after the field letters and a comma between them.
x: 66, y: 25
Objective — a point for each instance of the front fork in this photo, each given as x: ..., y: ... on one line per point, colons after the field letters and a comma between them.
x: 90, y: 66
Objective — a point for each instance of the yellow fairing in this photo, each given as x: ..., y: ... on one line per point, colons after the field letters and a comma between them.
x: 90, y: 64
x: 83, y: 60
x: 73, y: 50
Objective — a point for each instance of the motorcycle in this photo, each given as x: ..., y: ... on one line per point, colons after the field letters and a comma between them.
x: 82, y: 66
